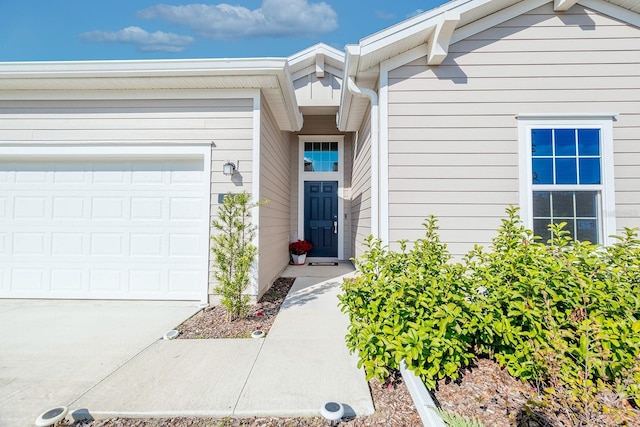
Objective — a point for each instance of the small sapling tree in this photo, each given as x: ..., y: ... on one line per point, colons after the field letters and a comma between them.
x: 234, y: 252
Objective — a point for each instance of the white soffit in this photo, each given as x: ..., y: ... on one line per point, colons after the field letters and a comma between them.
x: 270, y: 75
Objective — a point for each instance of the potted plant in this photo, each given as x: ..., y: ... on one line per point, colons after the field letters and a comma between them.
x: 299, y: 251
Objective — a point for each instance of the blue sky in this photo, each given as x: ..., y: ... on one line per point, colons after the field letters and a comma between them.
x: 50, y: 30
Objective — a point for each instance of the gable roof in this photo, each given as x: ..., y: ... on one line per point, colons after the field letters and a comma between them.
x: 317, y: 58
x: 430, y: 34
x: 270, y: 75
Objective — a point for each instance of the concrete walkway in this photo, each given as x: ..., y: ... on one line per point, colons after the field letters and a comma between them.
x: 53, y: 351
x: 301, y: 364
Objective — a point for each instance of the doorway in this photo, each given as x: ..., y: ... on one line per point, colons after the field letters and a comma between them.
x: 321, y: 217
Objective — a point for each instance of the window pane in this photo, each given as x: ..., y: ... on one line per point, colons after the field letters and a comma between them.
x: 542, y: 171
x: 587, y: 230
x: 562, y: 202
x: 590, y: 171
x: 566, y: 171
x: 541, y: 142
x: 541, y: 204
x: 321, y: 156
x: 589, y: 142
x: 541, y: 228
x: 565, y: 142
x: 586, y: 204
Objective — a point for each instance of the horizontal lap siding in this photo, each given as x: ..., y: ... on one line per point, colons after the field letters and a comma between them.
x: 453, y: 130
x: 226, y: 123
x: 361, y: 187
x: 275, y: 178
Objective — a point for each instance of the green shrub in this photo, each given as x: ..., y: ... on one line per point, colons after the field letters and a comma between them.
x: 410, y: 305
x: 562, y: 314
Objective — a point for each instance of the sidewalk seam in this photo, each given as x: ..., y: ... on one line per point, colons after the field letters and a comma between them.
x: 246, y: 381
x: 84, y: 393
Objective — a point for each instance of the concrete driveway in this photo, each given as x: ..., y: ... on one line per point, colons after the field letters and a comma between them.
x: 53, y: 352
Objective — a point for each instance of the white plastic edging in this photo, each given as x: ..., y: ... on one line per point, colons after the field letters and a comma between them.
x: 421, y: 398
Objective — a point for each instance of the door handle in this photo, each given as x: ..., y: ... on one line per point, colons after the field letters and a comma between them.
x: 335, y: 227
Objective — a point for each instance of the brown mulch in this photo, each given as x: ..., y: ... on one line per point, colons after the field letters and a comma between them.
x: 489, y: 394
x: 213, y: 323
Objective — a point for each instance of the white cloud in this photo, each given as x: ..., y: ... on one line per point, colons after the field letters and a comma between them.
x: 381, y: 14
x: 143, y: 40
x: 415, y: 12
x: 277, y: 18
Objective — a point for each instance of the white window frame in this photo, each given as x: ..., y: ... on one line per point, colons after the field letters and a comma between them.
x: 322, y: 176
x: 604, y: 122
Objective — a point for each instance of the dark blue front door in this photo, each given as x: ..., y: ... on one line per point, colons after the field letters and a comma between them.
x: 321, y: 217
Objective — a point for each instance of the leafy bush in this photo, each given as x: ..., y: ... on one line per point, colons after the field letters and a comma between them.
x: 563, y: 315
x: 410, y: 305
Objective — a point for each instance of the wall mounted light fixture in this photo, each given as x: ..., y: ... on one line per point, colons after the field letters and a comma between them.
x: 229, y: 168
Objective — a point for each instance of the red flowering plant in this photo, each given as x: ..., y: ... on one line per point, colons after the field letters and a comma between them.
x: 300, y: 247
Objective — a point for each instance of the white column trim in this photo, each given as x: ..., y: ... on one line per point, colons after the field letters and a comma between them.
x: 255, y: 189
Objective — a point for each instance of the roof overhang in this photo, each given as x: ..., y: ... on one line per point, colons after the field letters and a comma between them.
x: 269, y: 75
x: 431, y: 33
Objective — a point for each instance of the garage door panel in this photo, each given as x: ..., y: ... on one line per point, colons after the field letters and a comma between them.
x: 104, y: 229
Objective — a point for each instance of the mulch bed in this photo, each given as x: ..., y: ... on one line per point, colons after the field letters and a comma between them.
x: 213, y: 322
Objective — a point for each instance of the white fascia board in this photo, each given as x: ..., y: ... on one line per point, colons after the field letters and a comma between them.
x: 151, y: 68
x: 609, y: 9
x: 563, y: 5
x: 310, y: 53
x: 352, y: 58
x: 496, y: 18
x: 290, y: 100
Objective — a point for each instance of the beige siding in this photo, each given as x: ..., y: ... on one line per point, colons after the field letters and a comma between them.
x: 361, y: 187
x: 312, y: 91
x: 225, y: 123
x: 275, y: 215
x: 453, y: 131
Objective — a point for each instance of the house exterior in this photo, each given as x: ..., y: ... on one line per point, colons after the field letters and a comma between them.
x: 110, y: 172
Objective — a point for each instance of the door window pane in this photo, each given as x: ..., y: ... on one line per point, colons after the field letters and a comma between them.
x: 320, y: 156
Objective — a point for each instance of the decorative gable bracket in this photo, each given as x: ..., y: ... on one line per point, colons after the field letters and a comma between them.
x: 319, y: 65
x: 439, y: 40
x: 563, y: 5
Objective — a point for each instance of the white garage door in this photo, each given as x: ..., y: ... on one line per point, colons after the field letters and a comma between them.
x: 104, y: 229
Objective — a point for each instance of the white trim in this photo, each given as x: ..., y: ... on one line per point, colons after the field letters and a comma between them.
x: 617, y: 12
x: 121, y: 151
x: 565, y: 116
x: 383, y: 142
x: 255, y: 189
x: 608, y: 208
x: 494, y: 19
x: 421, y: 397
x: 440, y: 39
x: 322, y: 176
x: 93, y: 95
x: 563, y: 5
